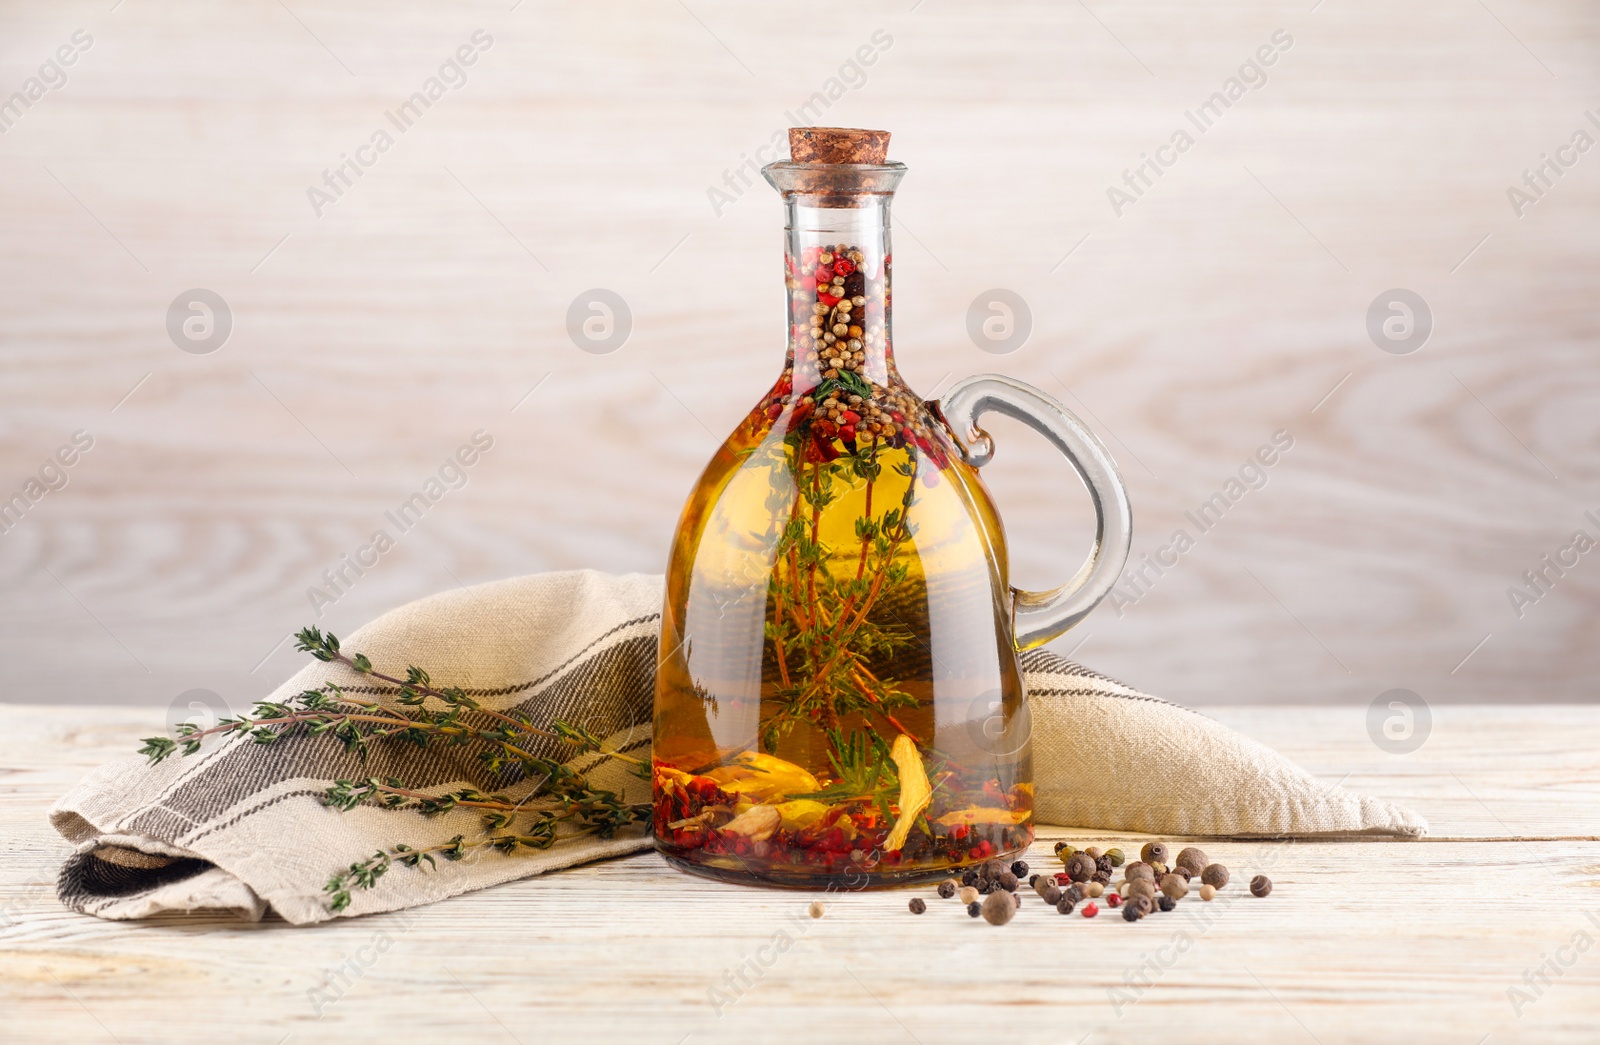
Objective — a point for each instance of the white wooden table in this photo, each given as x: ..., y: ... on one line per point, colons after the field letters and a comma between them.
x: 1359, y: 942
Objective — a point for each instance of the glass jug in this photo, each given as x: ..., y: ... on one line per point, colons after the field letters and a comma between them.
x: 839, y: 700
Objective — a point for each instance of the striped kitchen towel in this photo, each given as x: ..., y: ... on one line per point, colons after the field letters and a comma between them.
x: 241, y: 826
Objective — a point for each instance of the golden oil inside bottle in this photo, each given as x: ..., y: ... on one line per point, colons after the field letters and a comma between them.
x: 836, y: 645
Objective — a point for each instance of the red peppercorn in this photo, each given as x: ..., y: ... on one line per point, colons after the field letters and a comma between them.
x: 1113, y: 899
x: 843, y: 267
x: 850, y: 417
x: 958, y: 832
x: 828, y: 299
x: 1090, y: 910
x: 822, y: 448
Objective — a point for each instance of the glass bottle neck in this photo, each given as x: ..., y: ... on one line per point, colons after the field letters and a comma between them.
x: 837, y: 262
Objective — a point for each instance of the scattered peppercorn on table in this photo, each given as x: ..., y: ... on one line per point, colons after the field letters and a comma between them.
x: 1486, y: 932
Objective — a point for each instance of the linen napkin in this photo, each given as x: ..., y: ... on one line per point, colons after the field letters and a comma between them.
x: 240, y: 826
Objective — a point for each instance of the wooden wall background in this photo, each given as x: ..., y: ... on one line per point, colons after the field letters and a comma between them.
x: 1229, y: 303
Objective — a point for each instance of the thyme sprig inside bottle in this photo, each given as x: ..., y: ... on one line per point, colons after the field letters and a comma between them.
x: 839, y: 690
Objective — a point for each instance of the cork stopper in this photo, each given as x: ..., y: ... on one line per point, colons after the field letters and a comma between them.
x: 838, y: 145
x: 836, y: 167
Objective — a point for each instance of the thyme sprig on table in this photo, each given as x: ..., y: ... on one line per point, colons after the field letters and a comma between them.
x: 598, y: 812
x: 559, y: 794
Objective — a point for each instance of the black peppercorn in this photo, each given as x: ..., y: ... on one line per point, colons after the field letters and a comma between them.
x: 1103, y: 877
x: 1019, y: 868
x: 985, y: 887
x: 1103, y: 863
x: 974, y: 909
x: 1260, y: 885
x: 916, y: 905
x: 1154, y: 852
x: 1060, y: 846
x: 1130, y: 913
x: 1033, y: 880
x: 1074, y: 892
x: 969, y: 877
x: 1007, y: 881
x: 1166, y: 903
x: 1065, y: 905
x: 1081, y: 867
x: 947, y: 889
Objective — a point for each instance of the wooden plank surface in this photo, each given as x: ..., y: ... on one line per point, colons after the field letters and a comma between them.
x: 1359, y: 942
x: 1229, y: 302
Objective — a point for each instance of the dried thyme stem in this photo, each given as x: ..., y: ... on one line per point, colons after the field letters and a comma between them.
x: 418, y: 684
x: 818, y: 623
x: 563, y: 794
x: 862, y: 687
x: 448, y: 697
x: 866, y: 512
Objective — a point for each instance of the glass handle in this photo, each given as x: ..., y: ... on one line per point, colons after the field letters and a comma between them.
x: 1039, y: 616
